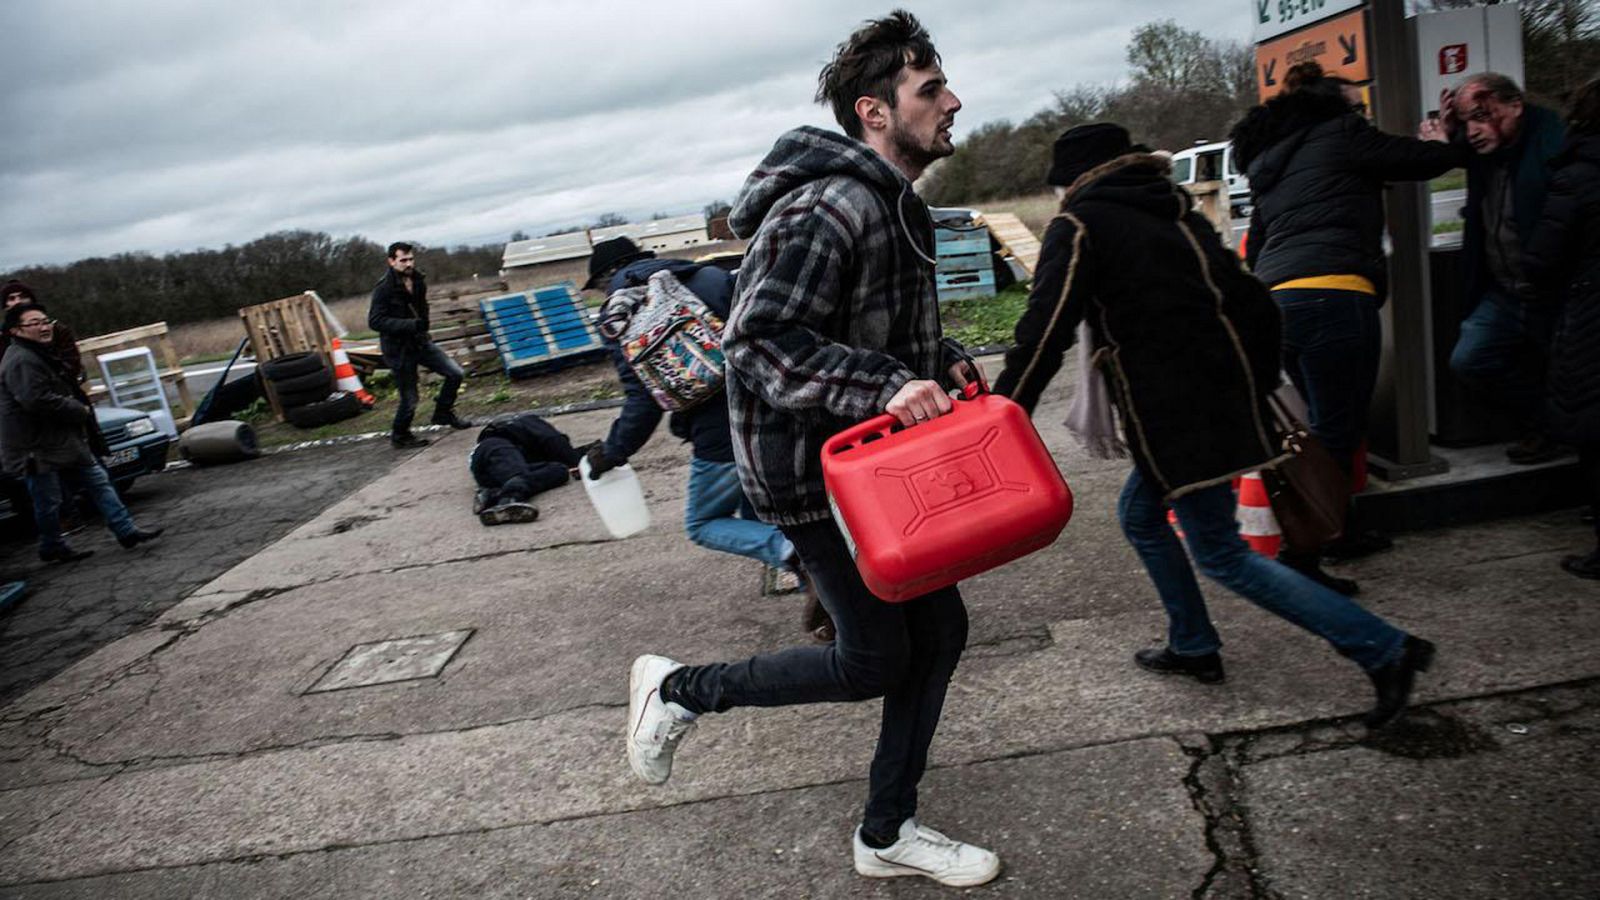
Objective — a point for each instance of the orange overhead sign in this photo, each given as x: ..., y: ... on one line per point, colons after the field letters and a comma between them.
x: 1339, y: 44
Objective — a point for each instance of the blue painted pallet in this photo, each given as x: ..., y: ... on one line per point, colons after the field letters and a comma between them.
x: 965, y: 267
x: 540, y: 330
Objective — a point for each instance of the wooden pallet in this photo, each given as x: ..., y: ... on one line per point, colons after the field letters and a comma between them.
x: 543, y: 329
x: 1015, y: 237
x: 283, y: 327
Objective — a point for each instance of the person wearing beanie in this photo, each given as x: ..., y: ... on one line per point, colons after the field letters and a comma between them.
x: 64, y: 342
x: 48, y: 437
x: 716, y: 514
x: 1189, y: 343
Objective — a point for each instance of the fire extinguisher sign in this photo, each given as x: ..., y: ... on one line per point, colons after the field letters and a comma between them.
x: 1452, y: 59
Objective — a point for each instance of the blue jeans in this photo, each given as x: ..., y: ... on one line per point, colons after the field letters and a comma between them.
x: 1207, y: 517
x: 1331, y: 344
x: 1502, y: 354
x: 902, y: 652
x: 92, y: 480
x: 719, y: 517
x: 403, y: 362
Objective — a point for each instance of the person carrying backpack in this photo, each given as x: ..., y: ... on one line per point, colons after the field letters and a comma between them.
x: 717, y: 515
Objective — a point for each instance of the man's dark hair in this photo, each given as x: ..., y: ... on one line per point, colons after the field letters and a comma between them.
x: 869, y: 64
x: 15, y: 313
x: 1585, y: 115
x: 400, y: 247
x: 1501, y: 87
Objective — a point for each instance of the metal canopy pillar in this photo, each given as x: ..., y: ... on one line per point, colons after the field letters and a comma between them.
x: 1400, y: 411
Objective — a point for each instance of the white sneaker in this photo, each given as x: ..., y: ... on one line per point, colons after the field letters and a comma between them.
x: 923, y: 851
x: 654, y: 726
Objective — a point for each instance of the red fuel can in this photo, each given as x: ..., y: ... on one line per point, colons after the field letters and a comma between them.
x: 924, y: 507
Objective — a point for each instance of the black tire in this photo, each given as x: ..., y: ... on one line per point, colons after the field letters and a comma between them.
x: 219, y: 442
x: 321, y: 379
x: 276, y: 370
x: 303, y: 398
x: 336, y: 408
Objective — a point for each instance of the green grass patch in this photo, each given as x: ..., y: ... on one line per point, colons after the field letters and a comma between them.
x: 987, y: 320
x: 1453, y: 180
x: 1447, y: 227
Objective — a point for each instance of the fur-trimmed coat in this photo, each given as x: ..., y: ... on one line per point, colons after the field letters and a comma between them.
x: 1187, y: 340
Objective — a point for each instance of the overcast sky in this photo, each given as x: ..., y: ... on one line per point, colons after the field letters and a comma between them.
x: 161, y: 125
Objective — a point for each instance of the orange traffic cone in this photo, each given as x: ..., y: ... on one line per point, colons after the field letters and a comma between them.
x: 1257, y: 525
x: 345, y: 374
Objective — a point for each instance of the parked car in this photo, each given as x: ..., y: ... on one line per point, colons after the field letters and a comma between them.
x: 1214, y: 162
x: 138, y: 447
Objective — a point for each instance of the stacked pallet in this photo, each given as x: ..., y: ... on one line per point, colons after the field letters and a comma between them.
x: 540, y: 330
x: 965, y: 265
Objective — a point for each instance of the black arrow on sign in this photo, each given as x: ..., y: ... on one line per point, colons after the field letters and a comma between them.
x: 1266, y: 74
x: 1349, y: 45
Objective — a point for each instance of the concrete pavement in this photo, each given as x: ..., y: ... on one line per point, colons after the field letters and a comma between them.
x: 189, y: 759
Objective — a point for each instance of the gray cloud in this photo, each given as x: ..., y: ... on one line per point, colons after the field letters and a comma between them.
x: 172, y: 124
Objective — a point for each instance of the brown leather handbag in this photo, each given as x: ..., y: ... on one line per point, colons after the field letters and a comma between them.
x: 1309, y: 492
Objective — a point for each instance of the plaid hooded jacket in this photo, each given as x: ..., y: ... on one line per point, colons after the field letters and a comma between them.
x: 835, y: 309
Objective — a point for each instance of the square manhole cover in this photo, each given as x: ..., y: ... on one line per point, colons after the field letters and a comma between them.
x: 385, y: 662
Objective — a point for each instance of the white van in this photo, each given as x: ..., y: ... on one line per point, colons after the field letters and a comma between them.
x: 1214, y: 162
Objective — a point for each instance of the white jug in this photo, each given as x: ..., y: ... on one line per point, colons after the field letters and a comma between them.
x: 618, y: 498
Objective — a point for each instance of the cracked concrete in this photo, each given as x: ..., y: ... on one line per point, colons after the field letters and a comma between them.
x: 184, y: 760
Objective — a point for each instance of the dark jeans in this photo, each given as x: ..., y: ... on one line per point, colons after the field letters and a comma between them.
x: 902, y: 652
x: 501, y: 466
x: 403, y: 362
x: 1503, y: 353
x: 1331, y: 344
x: 46, y: 488
x: 1207, y: 518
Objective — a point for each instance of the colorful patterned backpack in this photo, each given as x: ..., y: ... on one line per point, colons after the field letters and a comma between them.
x: 670, y: 338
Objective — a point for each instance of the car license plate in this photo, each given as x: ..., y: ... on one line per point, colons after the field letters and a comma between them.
x: 122, y: 457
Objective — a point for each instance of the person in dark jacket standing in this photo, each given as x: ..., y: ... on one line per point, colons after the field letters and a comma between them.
x: 716, y: 513
x: 835, y: 321
x: 399, y: 315
x: 1503, y: 350
x: 1189, y: 344
x: 515, y: 460
x: 63, y: 342
x: 49, y: 439
x: 1317, y: 171
x: 1563, y: 261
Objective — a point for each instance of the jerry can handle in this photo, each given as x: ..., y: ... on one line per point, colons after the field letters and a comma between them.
x: 885, y: 424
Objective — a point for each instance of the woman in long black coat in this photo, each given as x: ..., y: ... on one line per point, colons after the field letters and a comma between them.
x: 1563, y: 259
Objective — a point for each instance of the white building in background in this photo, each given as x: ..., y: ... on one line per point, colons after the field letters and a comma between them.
x: 659, y: 234
x: 556, y: 247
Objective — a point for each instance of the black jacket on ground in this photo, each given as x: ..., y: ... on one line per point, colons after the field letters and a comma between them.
x: 705, y: 426
x: 1187, y: 340
x: 1563, y: 260
x: 520, y: 457
x: 538, y: 440
x: 400, y: 317
x: 1317, y: 172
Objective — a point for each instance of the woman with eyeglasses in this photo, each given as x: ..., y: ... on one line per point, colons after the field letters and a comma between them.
x: 1317, y: 170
